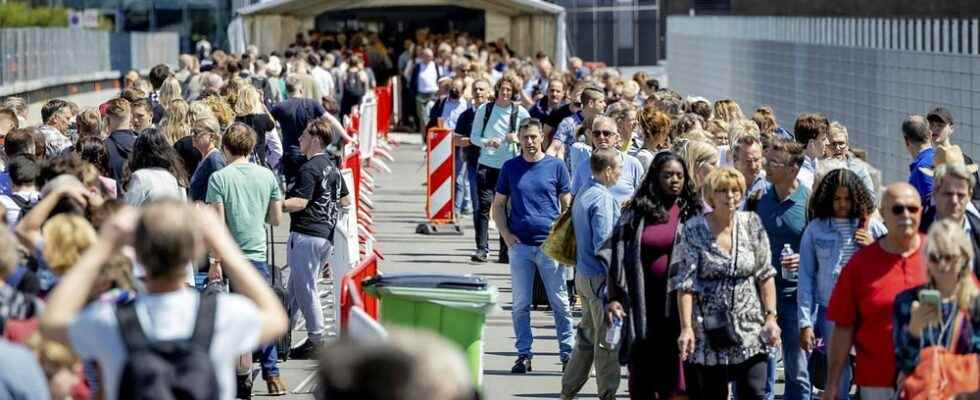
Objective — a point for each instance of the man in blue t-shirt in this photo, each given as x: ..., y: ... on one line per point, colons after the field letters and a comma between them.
x: 536, y: 187
x: 782, y: 209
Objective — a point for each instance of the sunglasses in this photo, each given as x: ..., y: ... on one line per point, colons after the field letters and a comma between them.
x: 603, y: 133
x: 937, y: 258
x: 900, y: 209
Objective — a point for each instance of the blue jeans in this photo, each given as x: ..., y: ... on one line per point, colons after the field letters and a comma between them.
x: 794, y: 358
x: 524, y: 260
x: 270, y: 357
x: 461, y: 199
x: 823, y: 328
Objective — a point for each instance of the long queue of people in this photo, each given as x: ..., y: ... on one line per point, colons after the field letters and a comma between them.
x: 716, y: 245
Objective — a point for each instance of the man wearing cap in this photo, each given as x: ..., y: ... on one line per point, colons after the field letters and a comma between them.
x: 954, y: 184
x: 941, y: 126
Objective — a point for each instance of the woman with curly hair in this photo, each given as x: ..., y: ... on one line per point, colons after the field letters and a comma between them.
x: 638, y: 253
x: 154, y: 170
x: 841, y: 222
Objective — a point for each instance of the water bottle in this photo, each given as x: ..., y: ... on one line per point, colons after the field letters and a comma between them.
x: 612, y: 335
x: 788, y: 274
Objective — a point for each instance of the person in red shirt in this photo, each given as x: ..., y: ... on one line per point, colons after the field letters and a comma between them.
x: 861, y: 303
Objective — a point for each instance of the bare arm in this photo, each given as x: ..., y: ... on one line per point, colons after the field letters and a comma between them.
x: 28, y: 230
x: 767, y: 294
x: 557, y: 149
x: 294, y: 204
x: 840, y: 346
x: 347, y: 201
x: 685, y: 341
x: 499, y: 215
x: 273, y: 215
x: 566, y: 201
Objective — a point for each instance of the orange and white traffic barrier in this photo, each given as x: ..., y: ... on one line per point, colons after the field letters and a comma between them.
x: 440, y: 185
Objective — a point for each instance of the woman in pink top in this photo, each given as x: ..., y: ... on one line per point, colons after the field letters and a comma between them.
x: 638, y: 253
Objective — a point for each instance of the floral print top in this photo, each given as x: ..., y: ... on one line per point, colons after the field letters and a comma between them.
x: 702, y: 268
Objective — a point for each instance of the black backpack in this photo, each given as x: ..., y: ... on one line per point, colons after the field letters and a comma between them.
x: 354, y: 86
x: 168, y: 370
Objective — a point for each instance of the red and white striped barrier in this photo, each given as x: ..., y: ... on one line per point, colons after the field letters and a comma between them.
x: 440, y: 185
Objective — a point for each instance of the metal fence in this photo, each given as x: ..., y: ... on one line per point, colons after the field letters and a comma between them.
x: 34, y: 58
x: 869, y: 74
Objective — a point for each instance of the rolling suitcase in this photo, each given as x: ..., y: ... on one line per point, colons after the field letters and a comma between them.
x: 539, y: 296
x: 284, y: 343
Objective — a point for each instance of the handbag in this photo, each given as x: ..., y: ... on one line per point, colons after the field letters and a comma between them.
x: 718, y: 326
x: 560, y: 244
x: 942, y: 374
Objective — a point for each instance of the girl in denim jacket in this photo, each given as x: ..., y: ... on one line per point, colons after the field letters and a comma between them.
x: 840, y: 223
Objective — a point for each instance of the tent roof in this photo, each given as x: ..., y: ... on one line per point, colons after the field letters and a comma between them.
x: 316, y: 7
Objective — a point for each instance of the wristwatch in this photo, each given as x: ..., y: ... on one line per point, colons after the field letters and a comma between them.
x: 767, y: 313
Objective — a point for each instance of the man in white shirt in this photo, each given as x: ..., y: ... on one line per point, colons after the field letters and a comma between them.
x: 425, y: 76
x: 166, y: 236
x: 322, y: 77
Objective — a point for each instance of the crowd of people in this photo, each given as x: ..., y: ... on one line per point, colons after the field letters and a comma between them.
x: 710, y: 245
x: 717, y: 245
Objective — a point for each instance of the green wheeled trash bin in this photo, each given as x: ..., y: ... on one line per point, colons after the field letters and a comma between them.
x: 452, y: 306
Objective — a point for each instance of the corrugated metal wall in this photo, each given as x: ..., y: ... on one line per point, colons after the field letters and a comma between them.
x: 869, y: 74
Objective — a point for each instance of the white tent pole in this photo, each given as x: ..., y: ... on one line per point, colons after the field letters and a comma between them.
x: 561, y: 44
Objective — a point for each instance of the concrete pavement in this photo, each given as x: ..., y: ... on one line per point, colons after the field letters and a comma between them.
x: 399, y: 200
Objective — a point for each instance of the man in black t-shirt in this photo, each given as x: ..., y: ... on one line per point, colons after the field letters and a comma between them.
x: 314, y: 204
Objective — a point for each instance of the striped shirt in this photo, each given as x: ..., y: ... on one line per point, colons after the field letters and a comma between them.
x: 846, y: 230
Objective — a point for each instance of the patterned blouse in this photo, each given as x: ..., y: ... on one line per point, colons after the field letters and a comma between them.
x: 702, y: 268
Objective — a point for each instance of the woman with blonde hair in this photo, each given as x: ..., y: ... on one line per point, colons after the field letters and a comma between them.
x: 66, y: 237
x: 700, y: 158
x: 250, y: 111
x: 722, y: 273
x: 176, y: 122
x: 197, y: 111
x: 728, y: 110
x: 170, y: 90
x: 945, y: 311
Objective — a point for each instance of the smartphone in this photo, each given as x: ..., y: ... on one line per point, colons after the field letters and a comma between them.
x: 929, y: 296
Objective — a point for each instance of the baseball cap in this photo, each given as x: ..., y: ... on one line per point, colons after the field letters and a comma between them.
x: 940, y: 114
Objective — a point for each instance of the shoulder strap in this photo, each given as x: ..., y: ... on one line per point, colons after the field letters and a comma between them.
x: 204, y: 323
x: 21, y: 203
x: 514, y: 110
x: 486, y: 117
x: 130, y: 328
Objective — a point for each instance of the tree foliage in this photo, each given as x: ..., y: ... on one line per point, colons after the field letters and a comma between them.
x: 16, y: 14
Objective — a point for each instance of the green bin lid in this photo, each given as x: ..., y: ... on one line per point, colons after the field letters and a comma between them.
x: 459, y: 282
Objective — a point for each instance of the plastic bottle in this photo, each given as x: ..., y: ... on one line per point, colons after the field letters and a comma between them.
x: 612, y: 335
x: 788, y: 274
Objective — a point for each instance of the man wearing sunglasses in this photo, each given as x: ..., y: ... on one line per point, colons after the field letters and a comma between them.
x: 605, y: 136
x: 861, y: 303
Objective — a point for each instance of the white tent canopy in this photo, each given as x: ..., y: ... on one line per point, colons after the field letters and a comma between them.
x: 528, y: 26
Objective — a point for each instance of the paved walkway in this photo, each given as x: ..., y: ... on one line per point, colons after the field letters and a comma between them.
x: 399, y: 201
